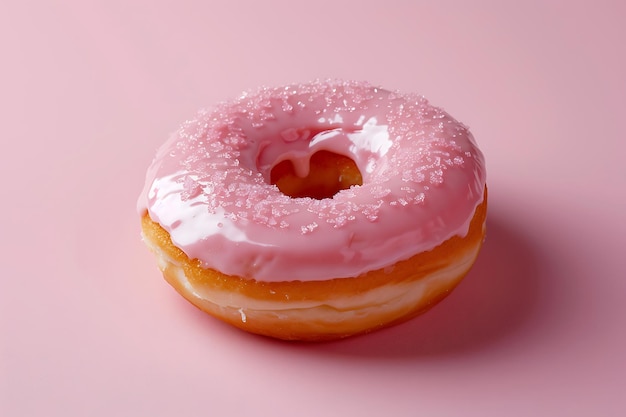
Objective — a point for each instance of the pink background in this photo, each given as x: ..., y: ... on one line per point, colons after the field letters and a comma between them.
x: 88, y: 91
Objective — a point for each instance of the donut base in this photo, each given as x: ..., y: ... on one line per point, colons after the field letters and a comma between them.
x: 327, y: 309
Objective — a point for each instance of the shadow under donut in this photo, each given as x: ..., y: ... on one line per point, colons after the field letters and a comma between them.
x: 493, y: 300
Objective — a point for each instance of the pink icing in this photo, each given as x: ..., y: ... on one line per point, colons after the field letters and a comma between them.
x: 423, y: 177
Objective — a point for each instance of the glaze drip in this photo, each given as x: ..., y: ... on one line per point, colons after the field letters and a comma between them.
x: 328, y: 174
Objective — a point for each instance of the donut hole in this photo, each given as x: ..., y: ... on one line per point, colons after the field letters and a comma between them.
x: 329, y: 173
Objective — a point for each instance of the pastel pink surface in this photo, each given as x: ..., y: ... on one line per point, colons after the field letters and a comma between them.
x: 91, y: 89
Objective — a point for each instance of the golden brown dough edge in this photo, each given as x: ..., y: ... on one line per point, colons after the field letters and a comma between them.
x: 286, y: 319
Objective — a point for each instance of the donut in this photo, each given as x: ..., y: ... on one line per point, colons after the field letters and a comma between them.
x: 316, y: 211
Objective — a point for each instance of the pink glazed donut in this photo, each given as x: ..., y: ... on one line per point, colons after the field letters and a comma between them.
x: 316, y: 211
